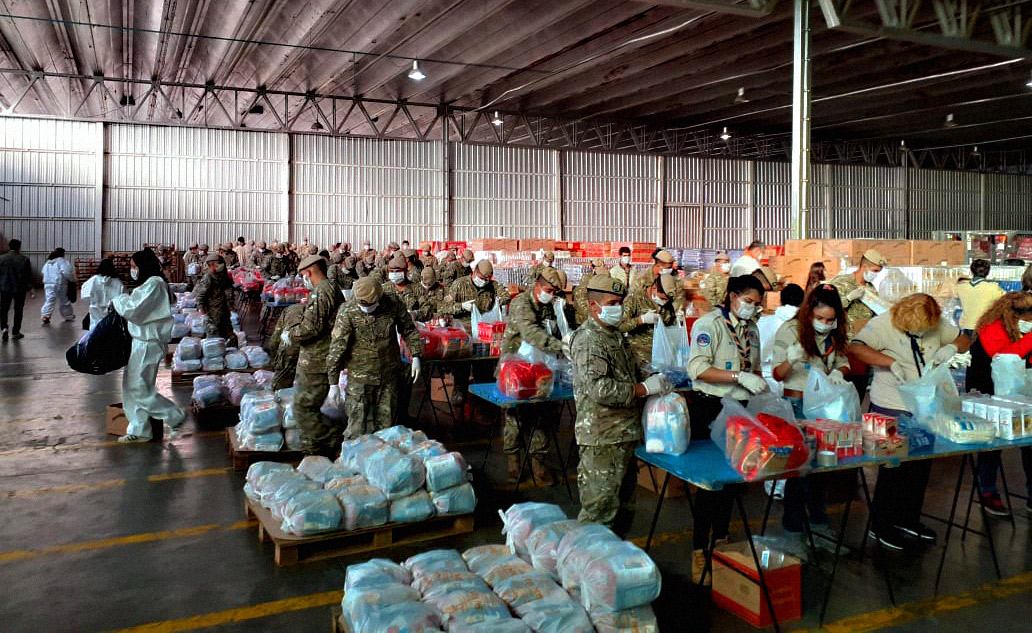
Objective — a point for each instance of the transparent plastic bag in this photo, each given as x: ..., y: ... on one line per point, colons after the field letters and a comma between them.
x: 214, y: 347
x: 668, y: 343
x: 264, y: 378
x: 277, y: 501
x: 573, y: 545
x: 408, y: 441
x: 179, y: 330
x: 207, y: 396
x: 392, y: 471
x: 637, y: 620
x: 263, y: 442
x: 404, y: 617
x: 457, y: 500
x: 428, y: 449
x: 189, y: 348
x: 933, y: 395
x: 523, y: 379
x: 258, y: 471
x: 435, y: 560
x: 236, y: 360
x: 555, y: 615
x: 771, y: 404
x: 537, y: 356
x: 284, y: 396
x: 364, y: 507
x: 758, y: 446
x: 352, y: 451
x: 256, y: 356
x: 523, y: 518
x: 445, y: 471
x: 517, y: 591
x: 823, y: 400
x: 393, y: 434
x: 543, y: 543
x: 481, y: 557
x: 413, y: 508
x: 266, y: 483
x: 262, y: 418
x: 311, y: 513
x: 314, y: 467
x: 666, y: 423
x: 376, y: 572
x: 477, y: 317
x: 572, y: 566
x: 624, y: 578
x: 237, y: 393
x: 511, y: 625
x: 292, y: 437
x: 213, y: 364
x: 186, y: 365
x: 471, y: 607
x: 506, y: 569
x: 441, y: 582
x: 1008, y: 371
x: 559, y: 306
x: 340, y: 483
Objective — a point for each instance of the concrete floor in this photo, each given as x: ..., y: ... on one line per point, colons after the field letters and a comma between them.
x: 99, y: 537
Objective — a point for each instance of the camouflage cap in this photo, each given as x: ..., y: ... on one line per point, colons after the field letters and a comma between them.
x: 768, y: 274
x: 606, y: 284
x: 203, y: 247
x: 311, y: 260
x: 212, y: 257
x: 549, y: 255
x: 875, y: 257
x: 562, y: 280
x: 664, y: 257
x: 429, y: 275
x: 408, y: 252
x: 398, y: 262
x: 598, y: 262
x: 350, y: 261
x: 393, y: 246
x: 551, y: 276
x: 368, y: 290
x: 467, y: 255
x: 193, y: 245
x: 336, y: 257
x: 485, y: 267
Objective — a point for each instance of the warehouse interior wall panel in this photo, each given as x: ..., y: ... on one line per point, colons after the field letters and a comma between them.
x: 504, y: 192
x: 867, y: 202
x: 727, y: 218
x: 48, y: 186
x: 942, y: 198
x: 181, y: 185
x: 1008, y: 203
x: 356, y: 189
x: 819, y: 220
x: 773, y: 202
x: 610, y: 197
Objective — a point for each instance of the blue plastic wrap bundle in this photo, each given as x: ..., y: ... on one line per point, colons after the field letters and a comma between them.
x: 404, y: 617
x: 408, y: 441
x: 336, y: 471
x: 179, y: 318
x: 494, y: 626
x: 292, y: 437
x: 376, y: 572
x: 285, y: 395
x: 189, y: 349
x: 263, y: 443
x: 428, y: 449
x: 314, y: 467
x: 351, y: 451
x: 543, y: 543
x: 445, y: 471
x: 393, y: 435
x: 256, y: 356
x: 623, y: 577
x: 364, y: 507
x: 262, y: 417
x: 207, y: 394
x: 359, y: 601
x: 312, y: 512
x: 456, y: 500
x: 236, y: 360
x: 213, y: 364
x: 448, y: 581
x: 392, y: 471
x: 197, y: 325
x: 264, y: 378
x: 507, y: 569
x: 459, y: 607
x: 517, y: 591
x: 576, y: 549
x: 179, y: 330
x: 638, y: 619
x: 257, y: 471
x: 523, y: 518
x: 415, y: 507
x: 340, y: 483
x: 186, y: 365
x: 435, y: 560
x: 278, y: 500
x: 214, y: 347
x: 264, y: 484
x: 556, y: 615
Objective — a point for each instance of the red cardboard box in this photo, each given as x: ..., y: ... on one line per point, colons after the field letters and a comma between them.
x: 459, y: 245
x: 494, y: 245
x: 741, y: 594
x: 537, y: 245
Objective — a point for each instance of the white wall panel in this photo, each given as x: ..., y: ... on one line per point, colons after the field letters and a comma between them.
x: 48, y: 185
x: 610, y: 197
x: 726, y: 191
x: 505, y: 192
x: 867, y: 202
x: 351, y: 190
x: 773, y: 202
x: 181, y: 185
x: 938, y: 199
x: 1008, y: 204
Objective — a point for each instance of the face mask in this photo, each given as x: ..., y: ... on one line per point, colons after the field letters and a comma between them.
x: 725, y: 266
x: 369, y: 309
x: 478, y: 282
x: 426, y: 253
x: 545, y: 297
x: 665, y: 271
x: 308, y: 284
x: 611, y: 315
x: 465, y: 264
x: 396, y: 277
x: 1025, y: 326
x: 660, y: 302
x: 626, y: 259
x: 134, y: 273
x: 547, y: 264
x: 869, y: 276
x: 824, y: 328
x: 746, y: 311
x: 427, y: 286
x: 261, y: 250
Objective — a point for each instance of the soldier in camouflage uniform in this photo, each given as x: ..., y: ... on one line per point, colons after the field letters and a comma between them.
x: 278, y: 264
x: 229, y: 255
x: 346, y: 275
x: 318, y: 436
x: 193, y: 256
x: 427, y: 259
x: 212, y: 299
x: 284, y: 357
x: 547, y: 261
x: 458, y: 268
x: 384, y: 258
x: 480, y: 290
x: 532, y: 320
x: 260, y: 257
x: 853, y: 287
x: 365, y: 343
x: 608, y: 391
x: 367, y: 266
x: 643, y: 310
x: 580, y: 293
x: 435, y: 291
x: 412, y: 295
x: 334, y: 268
x: 714, y: 286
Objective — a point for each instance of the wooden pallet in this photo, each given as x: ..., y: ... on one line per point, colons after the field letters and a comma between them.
x: 337, y: 626
x: 291, y: 549
x: 242, y: 458
x: 186, y: 378
x: 215, y: 417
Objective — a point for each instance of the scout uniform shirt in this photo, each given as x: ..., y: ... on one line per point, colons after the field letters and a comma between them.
x: 914, y: 354
x: 723, y: 341
x: 639, y: 335
x: 856, y: 310
x: 531, y: 321
x: 975, y: 298
x: 367, y: 344
x: 787, y: 336
x: 604, y: 375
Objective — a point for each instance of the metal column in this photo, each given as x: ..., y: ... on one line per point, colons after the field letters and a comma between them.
x: 100, y: 139
x: 801, y: 120
x: 448, y: 173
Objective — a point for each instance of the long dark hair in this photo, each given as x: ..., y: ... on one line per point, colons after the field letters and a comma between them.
x: 741, y: 284
x: 57, y: 252
x: 823, y: 295
x: 147, y: 262
x: 107, y: 268
x: 816, y: 276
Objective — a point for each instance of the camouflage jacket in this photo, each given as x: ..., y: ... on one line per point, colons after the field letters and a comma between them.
x: 230, y: 257
x: 580, y: 299
x: 367, y: 344
x: 261, y: 260
x: 532, y: 276
x: 313, y: 332
x: 436, y: 295
x: 465, y: 290
x: 416, y: 301
x: 714, y: 288
x: 604, y: 374
x: 429, y: 260
x: 527, y: 322
x: 639, y: 335
x: 343, y: 278
x: 856, y: 310
x: 453, y: 272
x: 285, y: 355
x: 211, y: 295
x: 276, y: 267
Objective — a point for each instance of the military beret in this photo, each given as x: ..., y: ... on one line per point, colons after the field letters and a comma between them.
x: 598, y: 262
x: 484, y: 267
x: 467, y: 255
x: 398, y: 262
x: 212, y: 257
x: 393, y: 246
x: 551, y: 276
x: 311, y: 260
x: 429, y: 275
x: 664, y: 257
x: 606, y: 284
x: 368, y: 290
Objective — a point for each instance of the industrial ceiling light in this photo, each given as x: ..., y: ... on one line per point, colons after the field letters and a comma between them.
x: 949, y: 121
x: 257, y: 109
x: 415, y: 74
x: 975, y: 152
x: 317, y: 126
x: 497, y: 120
x: 725, y: 135
x: 741, y: 98
x: 127, y: 100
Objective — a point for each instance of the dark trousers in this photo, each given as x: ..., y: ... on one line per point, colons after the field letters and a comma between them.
x: 805, y: 492
x: 712, y: 507
x: 900, y: 492
x: 989, y: 466
x: 6, y: 299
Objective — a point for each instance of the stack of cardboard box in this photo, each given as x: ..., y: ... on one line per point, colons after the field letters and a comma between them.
x: 794, y: 265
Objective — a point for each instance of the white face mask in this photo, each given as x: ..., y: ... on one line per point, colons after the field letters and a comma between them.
x: 396, y: 276
x: 134, y: 273
x: 369, y: 309
x: 870, y: 276
x: 308, y: 284
x: 665, y: 271
x: 611, y: 315
x: 479, y: 282
x: 465, y: 264
x: 626, y: 259
x: 660, y: 302
x: 824, y: 328
x: 725, y: 266
x: 545, y: 297
x: 746, y: 311
x: 1025, y: 326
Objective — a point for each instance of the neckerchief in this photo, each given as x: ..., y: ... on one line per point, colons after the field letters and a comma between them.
x: 915, y: 349
x: 744, y: 349
x: 977, y: 280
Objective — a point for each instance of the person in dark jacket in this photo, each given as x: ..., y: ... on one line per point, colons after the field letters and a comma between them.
x: 15, y: 281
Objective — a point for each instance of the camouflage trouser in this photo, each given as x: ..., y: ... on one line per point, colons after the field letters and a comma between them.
x: 369, y: 408
x: 318, y: 435
x: 221, y: 326
x: 284, y: 377
x: 606, y: 477
x: 535, y: 419
x: 401, y: 412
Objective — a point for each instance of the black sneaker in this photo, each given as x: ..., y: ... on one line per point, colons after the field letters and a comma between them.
x: 920, y: 532
x: 17, y: 335
x: 890, y: 539
x: 994, y: 505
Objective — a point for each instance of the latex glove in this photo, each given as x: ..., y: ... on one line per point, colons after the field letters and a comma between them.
x: 796, y: 353
x: 898, y: 371
x: 753, y: 383
x: 657, y: 384
x: 649, y: 318
x: 856, y: 294
x: 961, y: 360
x: 836, y: 377
x: 416, y: 368
x: 467, y: 306
x: 285, y: 338
x: 333, y: 397
x: 566, y: 346
x: 944, y: 354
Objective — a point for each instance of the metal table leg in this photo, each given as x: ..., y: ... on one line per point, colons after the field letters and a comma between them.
x: 756, y: 560
x: 835, y: 561
x: 949, y: 523
x: 655, y: 515
x: 985, y: 518
x: 877, y: 545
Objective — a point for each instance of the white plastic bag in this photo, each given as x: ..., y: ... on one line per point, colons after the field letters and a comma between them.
x: 666, y: 423
x: 517, y: 591
x: 636, y: 620
x: 482, y: 557
x: 394, y: 472
x: 555, y: 615
x: 314, y: 467
x: 476, y: 317
x: 624, y: 578
x: 931, y: 396
x: 434, y: 561
x: 823, y: 400
x: 364, y: 507
x: 312, y: 512
x: 472, y: 607
x: 668, y: 347
x: 375, y: 572
x: 442, y: 582
x: 445, y: 471
x: 456, y: 500
x: 559, y: 305
x: 1008, y: 371
x: 543, y: 543
x: 523, y: 518
x: 413, y: 508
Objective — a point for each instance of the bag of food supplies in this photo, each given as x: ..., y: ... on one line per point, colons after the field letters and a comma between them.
x: 434, y: 561
x: 277, y: 501
x: 666, y: 423
x: 375, y: 572
x: 559, y: 614
x: 352, y: 451
x: 264, y: 442
x: 411, y: 617
x: 459, y: 607
x: 523, y: 518
x: 456, y: 500
x: 526, y: 375
x: 624, y: 578
x: 392, y: 471
x: 823, y: 400
x: 214, y: 347
x: 758, y: 446
x: 256, y: 356
x: 189, y: 348
x: 258, y: 470
x: 482, y: 557
x: 359, y: 603
x: 931, y: 396
x: 506, y: 568
x: 670, y: 348
x: 445, y: 471
x: 543, y: 543
x: 442, y: 582
x: 512, y: 625
x: 364, y: 507
x: 312, y: 512
x: 517, y: 591
x: 236, y: 361
x: 428, y: 449
x: 1008, y: 371
x: 636, y: 620
x: 415, y: 507
x: 103, y: 349
x: 314, y: 467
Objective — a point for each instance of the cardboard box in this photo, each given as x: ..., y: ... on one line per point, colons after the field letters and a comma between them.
x: 674, y: 489
x: 537, y: 245
x: 806, y: 249
x: 934, y: 253
x: 437, y: 388
x: 115, y: 423
x: 494, y: 245
x: 896, y: 251
x: 736, y: 585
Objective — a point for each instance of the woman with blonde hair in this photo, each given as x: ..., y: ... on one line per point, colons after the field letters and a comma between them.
x: 1005, y: 328
x: 901, y: 345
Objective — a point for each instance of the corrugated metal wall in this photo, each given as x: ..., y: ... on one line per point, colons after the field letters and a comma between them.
x: 773, y: 202
x: 610, y: 197
x: 352, y: 189
x: 942, y: 198
x: 505, y: 192
x: 180, y: 185
x: 1008, y: 203
x: 727, y: 197
x: 683, y: 213
x: 867, y: 202
x: 48, y: 184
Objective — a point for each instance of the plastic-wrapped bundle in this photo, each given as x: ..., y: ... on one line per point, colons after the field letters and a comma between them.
x: 364, y: 507
x: 511, y: 625
x: 543, y: 543
x: 186, y: 365
x: 285, y: 395
x: 214, y: 347
x: 457, y: 500
x: 558, y: 615
x: 506, y: 569
x: 292, y: 438
x: 179, y: 330
x: 574, y: 545
x: 523, y: 518
x: 823, y: 400
x: 433, y: 561
x: 376, y: 572
x: 428, y: 449
x: 404, y: 617
x: 277, y: 501
x: 256, y: 356
x: 187, y: 300
x: 520, y: 379
x: 482, y: 557
x: 260, y: 412
x: 189, y: 349
x: 637, y: 620
x: 759, y: 445
x: 213, y: 364
x: 442, y: 582
x: 236, y: 360
x: 264, y: 378
x: 337, y: 472
x: 340, y: 483
x: 314, y: 467
x: 415, y: 507
x: 393, y: 434
x: 263, y: 443
x: 459, y: 607
x: 622, y: 578
x: 198, y: 325
x: 207, y: 395
x: 351, y: 451
x: 267, y: 484
x: 311, y: 513
x: 409, y: 441
x: 359, y: 601
x: 207, y: 381
x: 445, y: 471
x: 1008, y: 372
x: 665, y: 420
x: 394, y: 472
x: 258, y: 471
x: 236, y: 394
x: 517, y: 591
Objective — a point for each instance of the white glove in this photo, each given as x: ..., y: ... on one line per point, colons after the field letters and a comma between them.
x: 961, y: 360
x: 836, y: 377
x: 898, y: 371
x: 467, y: 306
x: 416, y: 368
x: 796, y: 353
x: 566, y: 346
x: 944, y: 354
x: 285, y: 337
x: 856, y: 294
x: 649, y: 318
x: 657, y: 384
x: 753, y: 383
x: 334, y: 396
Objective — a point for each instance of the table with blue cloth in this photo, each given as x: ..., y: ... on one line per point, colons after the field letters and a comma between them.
x: 705, y: 466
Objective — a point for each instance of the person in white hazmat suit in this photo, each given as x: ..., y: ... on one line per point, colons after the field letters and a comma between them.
x: 57, y: 274
x: 149, y: 315
x: 101, y: 289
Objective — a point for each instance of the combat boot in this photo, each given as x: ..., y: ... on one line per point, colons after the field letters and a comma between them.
x: 541, y: 472
x: 514, y: 468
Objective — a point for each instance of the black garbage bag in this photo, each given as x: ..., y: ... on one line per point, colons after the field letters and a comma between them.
x: 103, y: 349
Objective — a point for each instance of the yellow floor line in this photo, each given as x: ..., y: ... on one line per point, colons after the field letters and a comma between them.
x: 240, y: 614
x: 115, y: 483
x: 90, y: 445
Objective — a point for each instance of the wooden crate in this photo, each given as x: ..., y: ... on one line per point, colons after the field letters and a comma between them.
x: 337, y: 626
x: 291, y: 549
x: 242, y: 458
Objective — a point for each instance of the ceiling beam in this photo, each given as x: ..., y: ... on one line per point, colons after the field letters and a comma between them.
x: 748, y: 8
